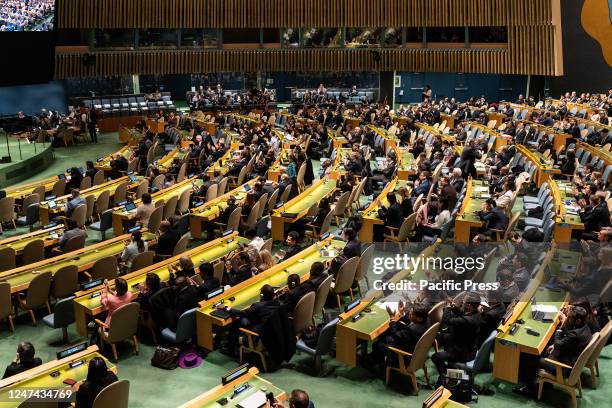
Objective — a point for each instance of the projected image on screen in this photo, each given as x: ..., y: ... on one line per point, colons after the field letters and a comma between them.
x: 26, y: 15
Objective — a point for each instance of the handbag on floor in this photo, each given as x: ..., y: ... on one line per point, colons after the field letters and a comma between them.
x: 461, y: 389
x: 165, y: 357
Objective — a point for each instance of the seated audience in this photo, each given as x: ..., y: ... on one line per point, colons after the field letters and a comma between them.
x: 24, y: 360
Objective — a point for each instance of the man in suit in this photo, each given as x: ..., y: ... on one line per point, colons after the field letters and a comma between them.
x: 469, y: 155
x: 456, y: 179
x: 72, y: 231
x: 74, y: 201
x: 403, y: 333
x: 223, y: 218
x: 494, y: 218
x: 24, y: 361
x: 595, y: 216
x: 255, y: 315
x: 447, y: 194
x: 167, y: 240
x: 461, y: 340
x: 185, y: 298
x: 491, y: 315
x: 293, y: 245
x: 570, y: 339
x: 421, y: 186
x: 392, y: 216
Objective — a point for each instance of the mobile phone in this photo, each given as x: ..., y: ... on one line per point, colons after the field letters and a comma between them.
x: 270, y: 398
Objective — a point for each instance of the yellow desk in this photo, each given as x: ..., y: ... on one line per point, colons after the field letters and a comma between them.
x: 156, y: 126
x: 50, y: 237
x: 477, y: 192
x: 40, y: 377
x: 370, y: 214
x: 104, y: 163
x: 282, y: 160
x: 164, y: 164
x: 338, y: 141
x: 222, y: 166
x: 84, y: 258
x: 20, y: 191
x: 210, y: 127
x: 440, y: 398
x: 450, y: 120
x: 129, y: 135
x: 300, y: 205
x: 352, y: 122
x: 544, y: 166
x: 210, y: 210
x: 247, y: 292
x: 567, y: 218
x: 209, y: 399
x: 390, y: 140
x: 406, y: 164
x: 122, y: 218
x: 47, y: 214
x: 350, y: 334
x: 508, y: 347
x: 87, y: 303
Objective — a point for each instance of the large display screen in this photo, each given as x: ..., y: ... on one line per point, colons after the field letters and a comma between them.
x: 27, y: 15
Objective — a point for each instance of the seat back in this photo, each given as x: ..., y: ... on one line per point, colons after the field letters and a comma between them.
x: 272, y: 201
x: 346, y: 275
x: 181, y: 245
x: 234, y: 219
x: 59, y: 188
x: 98, y: 178
x: 604, y: 336
x: 155, y: 219
x: 79, y: 215
x: 7, y: 259
x: 326, y: 338
x: 574, y: 375
x: 183, y: 202
x: 365, y: 260
x: 124, y: 323
x: 252, y: 218
x: 85, y: 183
x: 27, y: 201
x: 419, y: 355
x: 6, y: 302
x: 75, y: 243
x: 211, y: 192
x: 302, y: 315
x: 63, y: 313
x: 115, y: 395
x: 142, y: 260
x: 241, y: 176
x: 142, y: 188
x: 181, y: 174
x: 105, y: 268
x: 326, y: 222
x: 285, y: 195
x: 341, y: 203
x: 222, y: 186
x: 38, y: 292
x: 262, y: 205
x: 40, y: 190
x: 106, y: 220
x: 33, y: 252
x: 219, y: 270
x: 407, y: 227
x: 102, y: 202
x: 322, y: 293
x: 90, y: 201
x: 120, y: 193
x: 170, y: 207
x: 158, y: 182
x: 7, y: 209
x: 186, y: 326
x: 300, y: 175
x: 435, y: 314
x: 484, y: 352
x: 65, y: 281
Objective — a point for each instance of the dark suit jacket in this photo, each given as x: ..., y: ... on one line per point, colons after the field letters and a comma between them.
x: 495, y: 219
x: 351, y: 249
x: 463, y: 333
x: 167, y: 241
x: 595, y: 218
x: 186, y: 299
x: 489, y: 320
x: 405, y: 336
x: 257, y: 313
x: 570, y: 343
x: 291, y: 251
x: 392, y: 216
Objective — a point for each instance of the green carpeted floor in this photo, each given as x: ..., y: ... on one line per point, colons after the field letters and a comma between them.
x: 340, y: 387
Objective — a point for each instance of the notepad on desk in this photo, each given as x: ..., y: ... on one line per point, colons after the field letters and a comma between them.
x: 256, y: 400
